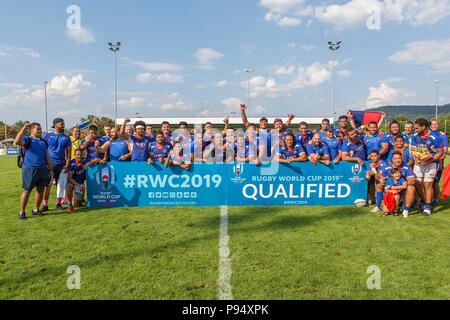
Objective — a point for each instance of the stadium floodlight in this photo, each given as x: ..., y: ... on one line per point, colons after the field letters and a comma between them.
x: 249, y: 71
x: 333, y: 47
x: 115, y: 48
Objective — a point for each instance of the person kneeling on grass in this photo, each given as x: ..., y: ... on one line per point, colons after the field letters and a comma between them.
x: 77, y: 175
x: 394, y: 188
x: 176, y: 157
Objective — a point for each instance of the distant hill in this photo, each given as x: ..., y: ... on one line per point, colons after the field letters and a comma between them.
x: 412, y: 112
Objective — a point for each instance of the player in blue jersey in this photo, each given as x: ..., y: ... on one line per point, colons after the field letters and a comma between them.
x: 407, y: 174
x: 394, y: 186
x: 409, y: 132
x: 427, y: 150
x: 242, y: 151
x: 168, y: 136
x: 141, y: 143
x: 373, y: 138
x: 435, y: 130
x: 317, y: 151
x: 149, y: 131
x: 281, y: 129
x: 116, y: 149
x: 197, y: 148
x: 77, y: 176
x: 36, y: 168
x: 375, y: 178
x: 60, y: 151
x: 304, y: 135
x: 401, y: 147
x: 252, y: 141
x: 343, y: 126
x: 388, y: 139
x: 322, y: 131
x: 177, y: 157
x: 159, y: 150
x: 354, y: 149
x: 290, y: 151
x: 334, y: 145
x: 89, y: 144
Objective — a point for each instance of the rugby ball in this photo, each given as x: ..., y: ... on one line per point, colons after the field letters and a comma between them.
x: 359, y: 203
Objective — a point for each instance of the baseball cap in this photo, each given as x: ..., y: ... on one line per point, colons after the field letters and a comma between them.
x: 57, y: 120
x: 329, y: 128
x: 277, y: 120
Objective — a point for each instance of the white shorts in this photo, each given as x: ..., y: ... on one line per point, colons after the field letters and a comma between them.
x: 78, y: 194
x: 427, y: 173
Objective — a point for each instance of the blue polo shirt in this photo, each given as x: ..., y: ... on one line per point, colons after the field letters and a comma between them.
x: 35, y: 154
x: 141, y: 147
x: 405, y: 170
x: 78, y: 172
x: 373, y: 142
x: 380, y: 168
x: 91, y: 152
x: 391, y: 183
x: 407, y: 156
x: 442, y: 136
x: 57, y: 144
x: 323, y: 135
x: 160, y: 152
x: 303, y: 140
x: 287, y: 153
x: 321, y: 149
x: 357, y: 150
x: 334, y: 146
x: 430, y: 142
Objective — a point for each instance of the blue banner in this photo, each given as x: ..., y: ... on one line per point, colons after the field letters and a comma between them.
x: 234, y: 184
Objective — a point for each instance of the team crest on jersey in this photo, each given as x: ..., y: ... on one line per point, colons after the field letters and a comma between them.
x: 105, y: 178
x: 356, y: 170
x: 238, y: 170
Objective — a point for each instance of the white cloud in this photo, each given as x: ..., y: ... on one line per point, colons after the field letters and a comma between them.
x: 206, y: 58
x: 285, y: 71
x: 180, y: 105
x: 222, y: 83
x: 434, y: 53
x: 354, y: 13
x: 6, y: 50
x: 81, y: 35
x: 384, y: 95
x: 292, y: 45
x: 258, y: 110
x: 130, y: 103
x: 302, y: 77
x: 289, y: 22
x: 344, y: 73
x: 156, y: 66
x: 6, y: 85
x: 162, y: 77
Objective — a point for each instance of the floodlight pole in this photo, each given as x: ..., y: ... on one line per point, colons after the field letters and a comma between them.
x: 249, y: 71
x: 46, y: 112
x: 437, y: 97
x: 333, y: 47
x: 114, y: 48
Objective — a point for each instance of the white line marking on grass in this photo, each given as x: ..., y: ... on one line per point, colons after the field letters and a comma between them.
x: 9, y: 172
x: 224, y: 261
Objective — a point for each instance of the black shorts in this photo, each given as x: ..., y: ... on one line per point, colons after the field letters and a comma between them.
x: 34, y: 177
x: 57, y: 169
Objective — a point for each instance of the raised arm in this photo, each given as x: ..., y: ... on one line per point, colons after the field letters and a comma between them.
x: 124, y: 135
x: 19, y: 138
x: 244, y: 116
x: 383, y: 115
x: 352, y: 120
x: 288, y: 122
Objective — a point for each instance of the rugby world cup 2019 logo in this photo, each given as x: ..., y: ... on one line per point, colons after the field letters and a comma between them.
x: 238, y: 170
x: 356, y: 170
x: 105, y: 178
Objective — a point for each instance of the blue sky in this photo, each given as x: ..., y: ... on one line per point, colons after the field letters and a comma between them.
x: 185, y: 58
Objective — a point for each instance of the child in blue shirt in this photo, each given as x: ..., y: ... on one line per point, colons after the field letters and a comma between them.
x: 393, y: 192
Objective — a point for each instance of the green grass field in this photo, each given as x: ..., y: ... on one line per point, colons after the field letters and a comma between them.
x: 173, y: 253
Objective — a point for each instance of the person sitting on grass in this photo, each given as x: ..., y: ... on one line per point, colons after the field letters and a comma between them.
x: 177, y: 157
x: 77, y: 176
x: 290, y: 151
x: 394, y: 188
